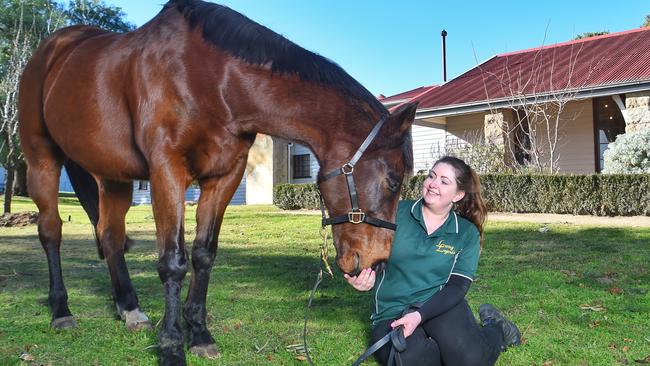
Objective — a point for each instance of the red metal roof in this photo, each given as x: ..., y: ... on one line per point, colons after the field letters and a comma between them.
x: 611, y: 59
x: 407, y: 95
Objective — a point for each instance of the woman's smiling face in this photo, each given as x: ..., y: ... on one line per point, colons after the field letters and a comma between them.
x: 440, y: 188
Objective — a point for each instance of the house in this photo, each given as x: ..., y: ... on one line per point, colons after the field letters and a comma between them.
x: 601, y: 86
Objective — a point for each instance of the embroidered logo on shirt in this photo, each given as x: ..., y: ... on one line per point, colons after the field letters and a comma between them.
x: 443, y: 248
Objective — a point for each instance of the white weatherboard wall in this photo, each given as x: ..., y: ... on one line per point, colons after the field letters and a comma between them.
x: 64, y: 182
x: 239, y: 198
x: 141, y: 197
x: 427, y: 142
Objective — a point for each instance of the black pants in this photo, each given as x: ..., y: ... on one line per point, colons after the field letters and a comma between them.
x: 453, y: 338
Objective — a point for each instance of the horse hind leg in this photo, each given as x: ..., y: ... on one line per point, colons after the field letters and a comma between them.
x: 114, y: 202
x: 43, y: 171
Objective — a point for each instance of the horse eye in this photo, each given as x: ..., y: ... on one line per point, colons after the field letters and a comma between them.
x: 393, y: 184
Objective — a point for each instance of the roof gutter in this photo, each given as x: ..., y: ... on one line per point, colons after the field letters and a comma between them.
x: 394, y: 102
x: 593, y: 92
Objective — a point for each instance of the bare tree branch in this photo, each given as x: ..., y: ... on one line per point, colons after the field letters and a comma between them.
x: 536, y: 92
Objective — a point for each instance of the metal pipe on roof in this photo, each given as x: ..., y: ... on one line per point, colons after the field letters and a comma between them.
x: 444, y: 56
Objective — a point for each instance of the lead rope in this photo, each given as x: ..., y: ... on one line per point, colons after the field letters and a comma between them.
x: 324, y: 267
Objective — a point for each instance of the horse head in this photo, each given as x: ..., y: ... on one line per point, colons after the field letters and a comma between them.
x: 363, y: 234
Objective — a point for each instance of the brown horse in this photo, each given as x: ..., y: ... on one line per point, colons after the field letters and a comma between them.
x: 181, y: 99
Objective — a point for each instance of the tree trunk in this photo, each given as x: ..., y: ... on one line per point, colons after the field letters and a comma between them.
x: 9, y: 183
x: 20, y: 186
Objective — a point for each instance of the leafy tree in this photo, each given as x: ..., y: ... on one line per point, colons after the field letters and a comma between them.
x: 20, y: 49
x: 36, y: 18
x: 590, y: 34
x: 98, y: 14
x: 647, y: 21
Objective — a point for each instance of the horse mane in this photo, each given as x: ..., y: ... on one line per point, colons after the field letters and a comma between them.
x: 258, y: 45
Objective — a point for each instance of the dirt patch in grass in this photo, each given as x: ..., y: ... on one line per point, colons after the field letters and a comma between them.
x: 19, y: 219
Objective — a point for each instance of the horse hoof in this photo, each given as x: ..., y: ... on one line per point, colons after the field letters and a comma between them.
x: 136, y: 320
x: 138, y: 326
x: 66, y: 322
x: 207, y: 350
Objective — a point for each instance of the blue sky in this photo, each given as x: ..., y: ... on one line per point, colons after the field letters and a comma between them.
x: 392, y: 46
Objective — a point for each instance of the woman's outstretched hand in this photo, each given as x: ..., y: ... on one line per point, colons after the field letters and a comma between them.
x: 363, y: 281
x: 410, y: 321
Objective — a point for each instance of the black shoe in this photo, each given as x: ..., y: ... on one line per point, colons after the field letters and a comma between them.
x: 490, y: 315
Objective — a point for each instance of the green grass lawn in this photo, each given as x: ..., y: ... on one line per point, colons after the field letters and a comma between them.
x: 578, y: 293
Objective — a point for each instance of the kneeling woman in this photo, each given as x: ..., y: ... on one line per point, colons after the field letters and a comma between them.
x: 432, y: 264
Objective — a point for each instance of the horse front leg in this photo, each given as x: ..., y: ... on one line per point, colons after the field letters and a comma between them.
x: 215, y: 196
x: 168, y: 184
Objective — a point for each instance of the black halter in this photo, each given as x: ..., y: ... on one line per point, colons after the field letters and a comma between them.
x: 356, y: 215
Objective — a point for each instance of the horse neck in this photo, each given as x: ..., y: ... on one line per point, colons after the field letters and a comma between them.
x: 331, y: 124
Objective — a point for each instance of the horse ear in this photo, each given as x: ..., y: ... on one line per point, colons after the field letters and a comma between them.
x: 403, y: 116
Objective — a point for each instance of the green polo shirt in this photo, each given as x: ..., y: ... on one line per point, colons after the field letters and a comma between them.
x: 421, y: 264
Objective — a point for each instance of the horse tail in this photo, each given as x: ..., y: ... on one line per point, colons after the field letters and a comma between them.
x: 85, y: 187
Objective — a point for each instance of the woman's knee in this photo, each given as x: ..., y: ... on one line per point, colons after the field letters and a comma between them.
x: 421, y: 350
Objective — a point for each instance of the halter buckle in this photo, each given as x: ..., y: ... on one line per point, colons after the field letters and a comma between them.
x: 347, y: 169
x: 356, y: 217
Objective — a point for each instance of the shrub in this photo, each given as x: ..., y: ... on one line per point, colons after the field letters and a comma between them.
x: 483, y: 157
x: 586, y: 194
x: 629, y: 154
x: 295, y: 196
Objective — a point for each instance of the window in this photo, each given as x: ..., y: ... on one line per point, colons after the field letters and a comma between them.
x: 143, y: 185
x: 609, y: 123
x: 521, y: 138
x: 301, y: 166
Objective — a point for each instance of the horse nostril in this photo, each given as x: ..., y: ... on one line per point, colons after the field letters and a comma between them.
x: 379, y: 266
x: 356, y: 270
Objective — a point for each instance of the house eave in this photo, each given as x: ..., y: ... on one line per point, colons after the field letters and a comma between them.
x: 577, y: 94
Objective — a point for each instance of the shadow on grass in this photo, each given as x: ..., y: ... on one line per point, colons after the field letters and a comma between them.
x: 241, y: 277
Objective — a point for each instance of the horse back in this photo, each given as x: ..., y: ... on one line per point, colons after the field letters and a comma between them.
x: 60, y: 43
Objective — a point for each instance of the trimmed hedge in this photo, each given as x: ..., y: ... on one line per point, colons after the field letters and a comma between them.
x: 295, y: 196
x: 590, y: 194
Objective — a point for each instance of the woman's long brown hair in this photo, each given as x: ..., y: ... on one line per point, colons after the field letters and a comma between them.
x: 471, y: 206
